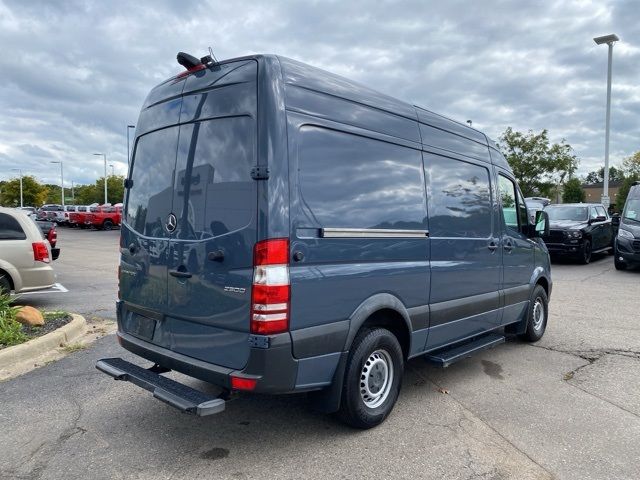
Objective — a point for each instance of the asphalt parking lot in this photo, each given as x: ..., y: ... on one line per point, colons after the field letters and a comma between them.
x: 567, y: 407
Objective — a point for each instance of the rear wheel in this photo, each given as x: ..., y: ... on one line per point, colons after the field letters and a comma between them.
x: 536, y: 315
x: 372, y: 379
x: 107, y: 225
x: 585, y: 256
x: 5, y: 284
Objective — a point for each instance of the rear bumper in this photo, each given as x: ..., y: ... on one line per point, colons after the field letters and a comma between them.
x: 270, y: 362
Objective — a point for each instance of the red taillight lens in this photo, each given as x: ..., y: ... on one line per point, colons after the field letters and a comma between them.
x: 271, y: 252
x: 40, y: 252
x: 270, y: 294
x: 238, y: 383
x: 52, y: 236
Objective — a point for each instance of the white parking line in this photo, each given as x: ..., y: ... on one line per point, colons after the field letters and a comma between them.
x: 56, y: 288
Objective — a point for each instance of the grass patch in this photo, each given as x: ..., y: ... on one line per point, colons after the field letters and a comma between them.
x: 73, y: 347
x: 10, y: 329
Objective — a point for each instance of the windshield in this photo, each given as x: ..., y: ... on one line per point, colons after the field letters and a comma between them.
x: 632, y: 210
x: 574, y: 214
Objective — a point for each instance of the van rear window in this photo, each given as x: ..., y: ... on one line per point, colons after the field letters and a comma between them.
x: 149, y: 199
x: 348, y: 181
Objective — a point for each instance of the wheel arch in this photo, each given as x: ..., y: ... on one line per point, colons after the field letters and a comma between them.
x: 382, y: 310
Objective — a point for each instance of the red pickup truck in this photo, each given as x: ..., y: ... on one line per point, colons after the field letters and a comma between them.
x: 104, y: 217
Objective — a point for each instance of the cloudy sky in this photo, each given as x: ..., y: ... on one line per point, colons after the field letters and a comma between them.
x: 75, y: 73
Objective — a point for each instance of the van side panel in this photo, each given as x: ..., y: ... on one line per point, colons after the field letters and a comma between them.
x: 339, y: 271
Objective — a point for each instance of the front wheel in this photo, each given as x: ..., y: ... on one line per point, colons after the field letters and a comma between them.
x: 5, y: 284
x: 537, y: 315
x: 585, y: 256
x: 372, y: 379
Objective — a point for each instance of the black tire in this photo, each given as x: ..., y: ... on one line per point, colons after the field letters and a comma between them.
x: 107, y: 225
x: 536, y: 325
x: 5, y: 284
x: 370, y: 351
x: 585, y: 254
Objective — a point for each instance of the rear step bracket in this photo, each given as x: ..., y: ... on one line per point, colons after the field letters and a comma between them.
x: 448, y: 355
x: 182, y: 397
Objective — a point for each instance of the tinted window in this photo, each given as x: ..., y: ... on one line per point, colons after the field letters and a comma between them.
x: 601, y: 211
x: 347, y: 181
x: 149, y: 199
x: 459, y: 198
x: 214, y: 191
x: 10, y: 229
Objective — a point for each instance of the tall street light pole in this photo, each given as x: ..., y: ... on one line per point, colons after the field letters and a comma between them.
x: 609, y: 40
x: 19, y: 170
x: 61, y: 182
x: 104, y: 155
x: 113, y: 170
x: 129, y: 127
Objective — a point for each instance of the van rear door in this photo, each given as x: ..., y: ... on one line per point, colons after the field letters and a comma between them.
x: 211, y: 251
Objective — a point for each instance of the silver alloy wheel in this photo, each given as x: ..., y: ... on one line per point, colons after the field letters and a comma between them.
x: 376, y: 378
x: 538, y: 315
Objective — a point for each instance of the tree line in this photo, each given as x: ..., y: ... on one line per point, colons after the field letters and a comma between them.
x: 36, y: 194
x: 544, y: 169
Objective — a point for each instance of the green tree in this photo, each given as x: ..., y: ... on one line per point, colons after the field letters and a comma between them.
x: 573, y: 192
x: 537, y: 164
x: 33, y: 192
x: 615, y: 175
x: 623, y: 192
x: 115, y: 189
x: 631, y: 165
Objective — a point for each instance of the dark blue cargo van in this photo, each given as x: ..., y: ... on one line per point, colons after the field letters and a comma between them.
x: 288, y: 230
x: 627, y: 242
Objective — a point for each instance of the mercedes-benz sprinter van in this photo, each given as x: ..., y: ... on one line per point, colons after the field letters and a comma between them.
x: 288, y: 230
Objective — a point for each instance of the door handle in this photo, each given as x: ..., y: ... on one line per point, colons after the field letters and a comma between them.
x: 508, y: 246
x: 492, y: 246
x: 181, y: 272
x: 217, y: 256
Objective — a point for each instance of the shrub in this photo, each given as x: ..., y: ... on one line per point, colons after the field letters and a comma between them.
x: 10, y: 329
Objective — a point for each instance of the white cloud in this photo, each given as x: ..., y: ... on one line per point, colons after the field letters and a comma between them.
x: 76, y: 73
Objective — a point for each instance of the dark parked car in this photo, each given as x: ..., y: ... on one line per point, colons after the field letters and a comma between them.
x: 312, y: 235
x: 627, y: 244
x: 578, y: 230
x: 49, y: 231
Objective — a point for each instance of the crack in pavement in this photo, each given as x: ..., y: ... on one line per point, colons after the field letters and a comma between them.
x: 46, y: 451
x: 468, y: 411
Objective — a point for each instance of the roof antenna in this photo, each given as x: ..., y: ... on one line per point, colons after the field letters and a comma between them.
x: 209, y: 59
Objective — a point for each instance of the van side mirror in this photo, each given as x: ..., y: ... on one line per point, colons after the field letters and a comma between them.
x: 541, y: 228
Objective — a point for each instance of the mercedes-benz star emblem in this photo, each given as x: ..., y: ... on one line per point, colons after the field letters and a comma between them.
x: 172, y: 223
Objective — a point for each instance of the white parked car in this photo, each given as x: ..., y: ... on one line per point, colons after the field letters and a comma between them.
x: 25, y: 255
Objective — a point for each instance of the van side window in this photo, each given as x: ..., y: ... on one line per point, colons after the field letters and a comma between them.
x: 10, y: 229
x: 348, y: 181
x: 514, y: 209
x: 459, y: 198
x: 150, y: 196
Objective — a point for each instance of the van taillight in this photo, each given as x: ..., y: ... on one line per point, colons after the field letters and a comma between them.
x: 40, y: 252
x: 270, y: 293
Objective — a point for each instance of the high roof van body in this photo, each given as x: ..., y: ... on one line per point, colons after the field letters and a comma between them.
x: 288, y: 230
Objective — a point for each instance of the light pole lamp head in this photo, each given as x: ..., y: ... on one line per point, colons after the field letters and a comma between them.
x: 608, y: 39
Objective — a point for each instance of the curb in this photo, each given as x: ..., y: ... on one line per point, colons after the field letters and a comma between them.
x: 34, y: 348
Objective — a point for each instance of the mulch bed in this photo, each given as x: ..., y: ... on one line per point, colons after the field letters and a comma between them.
x: 51, y: 323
